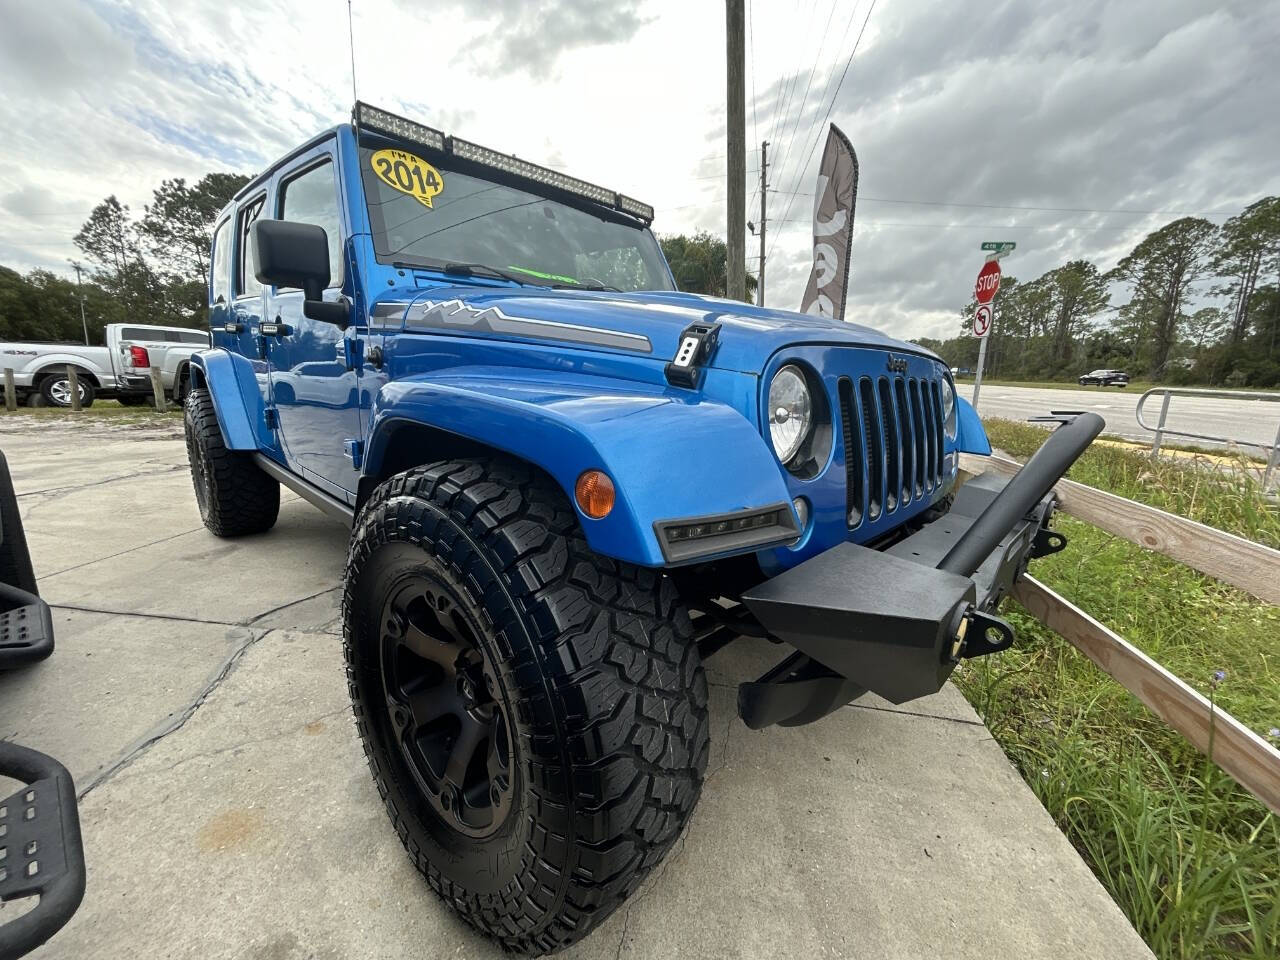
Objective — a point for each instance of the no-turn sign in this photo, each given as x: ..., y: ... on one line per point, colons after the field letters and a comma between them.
x: 988, y: 282
x: 982, y: 320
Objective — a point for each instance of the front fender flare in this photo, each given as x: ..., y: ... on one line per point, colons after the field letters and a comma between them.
x: 237, y: 401
x: 971, y: 436
x: 670, y: 456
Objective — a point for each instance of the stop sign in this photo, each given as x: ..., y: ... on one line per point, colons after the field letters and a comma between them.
x: 988, y: 282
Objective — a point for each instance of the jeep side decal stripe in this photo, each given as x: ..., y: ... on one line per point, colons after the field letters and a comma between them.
x: 458, y: 317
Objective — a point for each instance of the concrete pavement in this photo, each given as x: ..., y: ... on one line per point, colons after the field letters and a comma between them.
x: 1254, y: 421
x: 197, y: 695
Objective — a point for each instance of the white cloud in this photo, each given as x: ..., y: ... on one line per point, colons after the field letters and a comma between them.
x: 1132, y: 104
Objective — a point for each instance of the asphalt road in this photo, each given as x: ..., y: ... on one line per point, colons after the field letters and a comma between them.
x: 1244, y: 420
x: 197, y: 695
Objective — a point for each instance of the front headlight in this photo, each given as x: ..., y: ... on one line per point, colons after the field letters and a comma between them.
x: 790, y: 412
x: 949, y: 408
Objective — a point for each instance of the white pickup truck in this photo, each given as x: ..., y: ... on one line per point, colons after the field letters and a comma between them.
x: 121, y: 369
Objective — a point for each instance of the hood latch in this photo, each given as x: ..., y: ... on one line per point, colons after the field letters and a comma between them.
x: 697, y: 344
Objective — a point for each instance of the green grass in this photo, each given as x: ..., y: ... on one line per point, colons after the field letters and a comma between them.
x: 1190, y: 856
x: 1136, y: 387
x: 1223, y: 495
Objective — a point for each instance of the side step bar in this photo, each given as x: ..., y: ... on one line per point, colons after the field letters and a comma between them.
x: 309, y: 492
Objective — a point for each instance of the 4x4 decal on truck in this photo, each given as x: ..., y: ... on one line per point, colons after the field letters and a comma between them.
x: 456, y: 315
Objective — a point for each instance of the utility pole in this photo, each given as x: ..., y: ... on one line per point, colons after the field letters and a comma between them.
x: 736, y: 126
x: 80, y: 293
x: 764, y: 190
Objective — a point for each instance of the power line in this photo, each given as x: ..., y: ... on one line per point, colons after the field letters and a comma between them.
x: 831, y: 106
x: 783, y: 157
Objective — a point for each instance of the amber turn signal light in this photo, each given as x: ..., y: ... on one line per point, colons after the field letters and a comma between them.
x: 594, y: 492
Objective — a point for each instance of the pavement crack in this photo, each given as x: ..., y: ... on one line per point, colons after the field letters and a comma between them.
x: 149, y: 616
x: 74, y: 487
x: 112, y: 556
x: 254, y: 741
x: 285, y: 606
x: 177, y: 720
x: 916, y: 713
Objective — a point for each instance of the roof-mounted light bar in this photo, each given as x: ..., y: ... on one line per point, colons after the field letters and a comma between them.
x: 380, y: 121
x: 373, y: 119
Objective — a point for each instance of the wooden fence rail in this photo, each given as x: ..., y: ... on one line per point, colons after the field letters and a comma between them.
x: 1250, y: 566
x: 1242, y: 563
x: 1236, y: 748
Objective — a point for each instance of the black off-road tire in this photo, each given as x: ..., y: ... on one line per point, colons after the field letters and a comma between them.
x: 234, y: 495
x: 596, y: 668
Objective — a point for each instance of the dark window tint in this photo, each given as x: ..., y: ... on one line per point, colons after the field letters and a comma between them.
x: 247, y: 284
x: 193, y: 336
x: 141, y: 333
x: 312, y: 197
x: 222, y: 262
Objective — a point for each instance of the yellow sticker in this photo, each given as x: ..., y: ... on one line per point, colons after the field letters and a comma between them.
x: 408, y: 174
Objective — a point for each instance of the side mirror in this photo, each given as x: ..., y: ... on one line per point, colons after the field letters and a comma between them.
x: 289, y: 254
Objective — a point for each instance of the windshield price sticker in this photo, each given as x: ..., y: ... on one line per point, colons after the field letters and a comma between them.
x: 408, y: 174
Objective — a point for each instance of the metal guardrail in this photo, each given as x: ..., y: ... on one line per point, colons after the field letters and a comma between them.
x: 1161, y: 431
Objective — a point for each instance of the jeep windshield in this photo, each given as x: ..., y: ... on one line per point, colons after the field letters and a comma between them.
x: 429, y: 214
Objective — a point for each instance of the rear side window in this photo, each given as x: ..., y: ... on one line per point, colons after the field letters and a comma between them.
x: 194, y: 336
x: 312, y: 197
x: 141, y: 333
x: 247, y: 284
x: 221, y: 279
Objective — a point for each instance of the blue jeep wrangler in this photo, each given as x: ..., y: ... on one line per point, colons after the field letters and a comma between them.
x: 568, y: 484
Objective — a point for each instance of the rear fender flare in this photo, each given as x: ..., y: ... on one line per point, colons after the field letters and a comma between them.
x: 233, y: 384
x: 669, y: 457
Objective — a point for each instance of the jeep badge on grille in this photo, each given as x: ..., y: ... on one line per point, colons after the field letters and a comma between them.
x: 896, y: 364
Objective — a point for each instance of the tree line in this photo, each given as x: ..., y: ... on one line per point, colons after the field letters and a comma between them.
x: 1201, y: 304
x: 151, y: 269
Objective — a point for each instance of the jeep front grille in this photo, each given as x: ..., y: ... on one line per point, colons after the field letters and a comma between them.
x: 892, y: 431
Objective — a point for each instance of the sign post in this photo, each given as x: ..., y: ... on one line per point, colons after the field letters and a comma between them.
x: 984, y: 292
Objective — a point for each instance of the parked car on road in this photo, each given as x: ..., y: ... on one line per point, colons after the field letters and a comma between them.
x: 1105, y: 378
x: 121, y: 369
x: 567, y: 484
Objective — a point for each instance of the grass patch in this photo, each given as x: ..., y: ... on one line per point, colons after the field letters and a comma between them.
x: 1191, y: 858
x: 1226, y: 495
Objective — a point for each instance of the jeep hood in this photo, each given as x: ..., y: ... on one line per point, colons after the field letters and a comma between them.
x: 646, y: 324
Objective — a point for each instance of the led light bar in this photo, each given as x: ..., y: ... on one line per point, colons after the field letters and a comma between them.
x: 531, y: 171
x: 381, y: 121
x: 371, y: 118
x: 635, y: 208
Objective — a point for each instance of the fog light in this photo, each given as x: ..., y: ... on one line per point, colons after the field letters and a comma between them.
x: 802, y: 512
x: 594, y: 493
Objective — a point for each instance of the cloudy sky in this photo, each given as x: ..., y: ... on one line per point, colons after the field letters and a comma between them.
x: 1072, y: 129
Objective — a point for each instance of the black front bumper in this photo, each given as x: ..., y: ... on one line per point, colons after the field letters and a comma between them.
x: 897, y: 621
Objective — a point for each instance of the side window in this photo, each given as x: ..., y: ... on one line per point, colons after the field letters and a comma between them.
x: 195, y: 336
x: 312, y: 197
x: 221, y: 279
x: 247, y: 284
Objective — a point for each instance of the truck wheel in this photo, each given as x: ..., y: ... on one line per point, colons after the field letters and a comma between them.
x: 534, y: 715
x: 234, y: 495
x: 56, y: 390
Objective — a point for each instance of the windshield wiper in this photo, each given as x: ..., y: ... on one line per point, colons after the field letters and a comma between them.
x: 585, y: 285
x: 479, y: 270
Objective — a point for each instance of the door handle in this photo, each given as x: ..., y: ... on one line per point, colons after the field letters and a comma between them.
x: 274, y: 328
